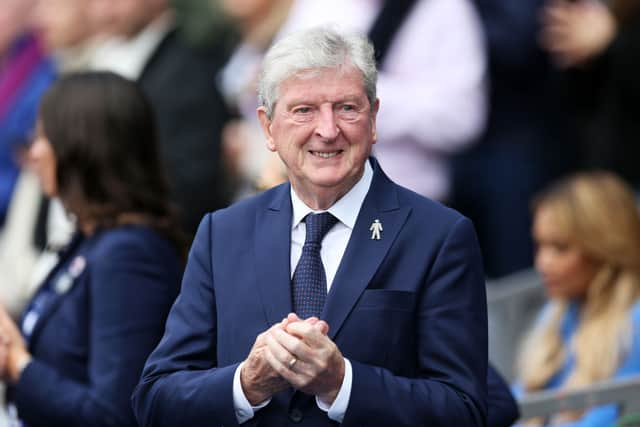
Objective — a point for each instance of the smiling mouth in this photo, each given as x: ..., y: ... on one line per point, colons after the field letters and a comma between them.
x: 325, y: 155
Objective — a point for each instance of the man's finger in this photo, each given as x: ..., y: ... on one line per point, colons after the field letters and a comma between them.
x: 294, y: 345
x: 317, y: 323
x: 276, y: 348
x: 283, y: 368
x: 322, y: 326
x: 292, y: 317
x: 312, y: 335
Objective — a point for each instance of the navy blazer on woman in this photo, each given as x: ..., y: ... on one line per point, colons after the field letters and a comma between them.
x: 109, y: 298
x: 408, y: 311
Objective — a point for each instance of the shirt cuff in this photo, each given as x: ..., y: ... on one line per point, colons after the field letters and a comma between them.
x: 244, y: 410
x: 339, y: 407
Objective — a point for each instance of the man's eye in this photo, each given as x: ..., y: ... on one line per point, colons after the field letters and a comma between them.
x: 302, y: 110
x: 347, y: 107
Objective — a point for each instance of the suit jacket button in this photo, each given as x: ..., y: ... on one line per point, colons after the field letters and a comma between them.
x: 296, y: 415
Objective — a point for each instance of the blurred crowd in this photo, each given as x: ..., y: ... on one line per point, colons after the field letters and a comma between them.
x: 483, y: 104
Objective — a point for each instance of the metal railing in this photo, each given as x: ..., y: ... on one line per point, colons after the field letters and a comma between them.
x: 625, y: 393
x: 513, y: 304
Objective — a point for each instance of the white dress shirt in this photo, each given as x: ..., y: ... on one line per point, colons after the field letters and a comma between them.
x: 346, y: 210
x: 128, y: 56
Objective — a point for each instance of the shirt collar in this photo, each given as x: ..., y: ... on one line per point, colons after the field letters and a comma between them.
x: 346, y: 209
x: 129, y: 56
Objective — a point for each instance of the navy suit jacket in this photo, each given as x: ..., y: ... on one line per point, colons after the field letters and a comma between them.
x: 408, y: 311
x: 92, y: 338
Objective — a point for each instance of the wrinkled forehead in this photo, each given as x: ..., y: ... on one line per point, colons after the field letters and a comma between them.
x: 338, y: 71
x: 348, y: 76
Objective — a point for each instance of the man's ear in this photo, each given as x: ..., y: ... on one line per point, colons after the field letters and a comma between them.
x: 374, y: 114
x: 265, y: 124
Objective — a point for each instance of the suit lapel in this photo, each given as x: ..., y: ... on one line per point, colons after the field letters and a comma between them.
x: 363, y: 254
x: 272, y: 255
x: 61, y: 269
x: 46, y: 313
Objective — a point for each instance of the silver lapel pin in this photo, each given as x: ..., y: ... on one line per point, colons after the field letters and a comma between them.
x: 376, y: 229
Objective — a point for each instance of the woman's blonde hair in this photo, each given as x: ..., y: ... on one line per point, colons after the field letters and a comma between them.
x: 598, y: 213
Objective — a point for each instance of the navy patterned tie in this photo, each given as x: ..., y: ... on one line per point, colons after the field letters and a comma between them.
x: 309, y: 279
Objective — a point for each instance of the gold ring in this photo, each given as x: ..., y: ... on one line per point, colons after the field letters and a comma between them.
x: 292, y: 363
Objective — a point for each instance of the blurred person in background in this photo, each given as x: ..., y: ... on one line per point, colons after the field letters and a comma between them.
x: 25, y: 72
x: 587, y: 232
x: 68, y: 30
x: 145, y: 45
x: 79, y: 348
x: 36, y: 227
x: 258, y: 23
x: 203, y: 23
x: 523, y: 147
x: 597, y: 43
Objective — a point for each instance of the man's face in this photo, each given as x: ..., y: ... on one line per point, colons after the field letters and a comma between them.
x: 62, y: 23
x: 124, y: 17
x: 322, y: 128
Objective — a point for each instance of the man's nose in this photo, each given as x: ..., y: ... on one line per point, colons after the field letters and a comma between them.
x: 327, y: 126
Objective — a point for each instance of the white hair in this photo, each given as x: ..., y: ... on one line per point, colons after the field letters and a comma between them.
x: 312, y: 50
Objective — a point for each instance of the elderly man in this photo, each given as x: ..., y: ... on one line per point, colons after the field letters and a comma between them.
x: 390, y: 320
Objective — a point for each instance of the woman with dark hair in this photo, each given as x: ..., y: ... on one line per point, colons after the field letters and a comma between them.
x: 78, y: 351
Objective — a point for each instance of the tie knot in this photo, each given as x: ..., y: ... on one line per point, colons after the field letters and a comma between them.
x: 318, y: 225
